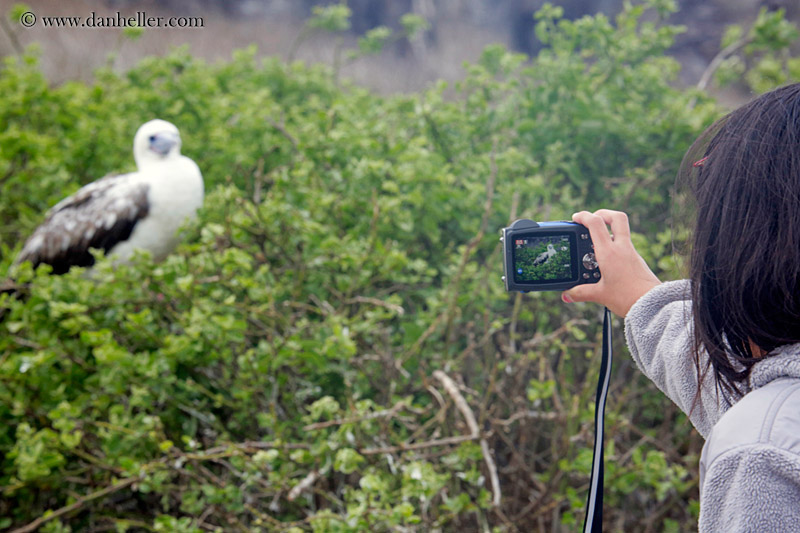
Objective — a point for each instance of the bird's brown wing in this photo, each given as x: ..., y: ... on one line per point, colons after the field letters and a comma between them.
x: 99, y: 215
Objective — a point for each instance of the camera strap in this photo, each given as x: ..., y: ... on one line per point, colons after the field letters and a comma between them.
x: 593, y: 523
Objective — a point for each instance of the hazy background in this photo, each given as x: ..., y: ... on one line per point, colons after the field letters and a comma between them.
x: 459, y: 31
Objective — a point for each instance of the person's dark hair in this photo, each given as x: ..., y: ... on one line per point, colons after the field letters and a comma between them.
x: 745, y: 260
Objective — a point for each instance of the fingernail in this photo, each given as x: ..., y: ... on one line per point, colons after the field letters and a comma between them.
x: 566, y: 299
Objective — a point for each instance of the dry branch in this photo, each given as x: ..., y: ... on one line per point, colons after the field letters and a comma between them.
x: 305, y: 484
x: 375, y: 301
x: 447, y: 441
x: 80, y: 502
x: 462, y: 405
x: 387, y: 413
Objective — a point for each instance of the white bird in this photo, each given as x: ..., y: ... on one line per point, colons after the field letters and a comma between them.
x: 544, y: 256
x: 121, y: 213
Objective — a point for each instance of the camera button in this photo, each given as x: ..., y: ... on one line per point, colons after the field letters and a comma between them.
x: 596, y: 275
x: 584, y: 236
x: 589, y: 261
x: 585, y: 275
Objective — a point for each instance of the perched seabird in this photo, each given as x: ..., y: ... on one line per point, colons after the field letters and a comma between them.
x: 124, y: 212
x: 543, y: 257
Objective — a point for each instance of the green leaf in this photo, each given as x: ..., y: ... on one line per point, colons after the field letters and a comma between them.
x: 374, y: 40
x: 17, y: 11
x: 347, y: 460
x: 133, y: 33
x: 413, y: 24
x: 333, y: 18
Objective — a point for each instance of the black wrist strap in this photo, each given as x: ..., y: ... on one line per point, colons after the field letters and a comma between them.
x: 593, y: 523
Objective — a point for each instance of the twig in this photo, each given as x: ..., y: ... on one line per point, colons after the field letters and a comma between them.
x: 462, y: 405
x: 26, y: 343
x: 375, y: 301
x: 436, y: 394
x: 80, y: 502
x: 438, y: 418
x: 205, y: 514
x: 522, y: 465
x: 422, y: 338
x: 512, y: 328
x: 282, y: 130
x: 514, y: 207
x: 507, y: 521
x: 227, y: 450
x: 301, y: 36
x: 539, y: 339
x: 306, y: 483
x: 473, y: 345
x: 257, y: 184
x: 195, y: 413
x: 451, y: 388
x: 536, y: 415
x: 447, y: 441
x: 386, y: 413
x: 723, y: 54
x: 437, y: 137
x: 376, y: 212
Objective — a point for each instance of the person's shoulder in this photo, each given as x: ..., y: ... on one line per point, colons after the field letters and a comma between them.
x: 766, y: 417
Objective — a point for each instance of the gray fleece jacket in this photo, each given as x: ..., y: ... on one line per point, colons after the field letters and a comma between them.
x: 750, y: 465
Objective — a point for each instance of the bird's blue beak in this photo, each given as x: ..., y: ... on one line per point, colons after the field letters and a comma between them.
x: 162, y: 143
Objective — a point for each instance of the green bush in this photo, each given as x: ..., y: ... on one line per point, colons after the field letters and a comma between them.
x: 278, y: 372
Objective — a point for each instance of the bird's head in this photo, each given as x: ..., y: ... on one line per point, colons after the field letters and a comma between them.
x: 156, y: 140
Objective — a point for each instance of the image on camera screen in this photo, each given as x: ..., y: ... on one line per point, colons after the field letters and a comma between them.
x: 545, y: 258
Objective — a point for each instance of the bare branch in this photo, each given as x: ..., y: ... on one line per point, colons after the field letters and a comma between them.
x: 447, y: 441
x: 305, y: 484
x: 723, y: 54
x: 375, y: 301
x: 386, y: 413
x: 80, y: 502
x: 462, y: 405
x: 282, y: 130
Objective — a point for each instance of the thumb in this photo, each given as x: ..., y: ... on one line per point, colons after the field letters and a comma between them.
x: 580, y: 293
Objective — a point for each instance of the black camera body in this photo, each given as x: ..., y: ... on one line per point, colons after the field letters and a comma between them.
x: 547, y: 256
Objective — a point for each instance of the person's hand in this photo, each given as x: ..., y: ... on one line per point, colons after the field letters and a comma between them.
x: 625, y: 275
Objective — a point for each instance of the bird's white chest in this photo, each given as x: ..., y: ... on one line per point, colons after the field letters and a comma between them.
x: 174, y: 195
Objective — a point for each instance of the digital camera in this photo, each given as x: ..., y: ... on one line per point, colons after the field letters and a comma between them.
x: 547, y: 256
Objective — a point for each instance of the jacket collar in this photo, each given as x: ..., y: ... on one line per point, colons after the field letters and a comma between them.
x: 783, y: 362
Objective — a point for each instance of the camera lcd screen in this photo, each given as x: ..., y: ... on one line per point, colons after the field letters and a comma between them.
x: 542, y: 258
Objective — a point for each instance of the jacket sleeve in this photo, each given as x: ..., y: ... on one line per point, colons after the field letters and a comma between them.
x: 658, y: 330
x: 751, y: 488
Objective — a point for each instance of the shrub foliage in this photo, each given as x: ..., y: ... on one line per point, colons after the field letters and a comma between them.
x: 331, y: 348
